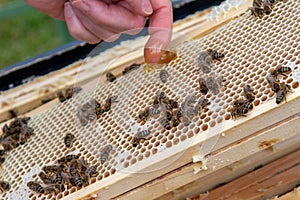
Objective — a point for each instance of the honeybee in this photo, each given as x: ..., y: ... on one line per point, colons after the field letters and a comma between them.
x: 174, y: 104
x: 69, y: 139
x: 51, y: 169
x: 243, y: 103
x: 70, y: 157
x: 257, y: 3
x: 205, y: 62
x: 257, y: 11
x: 167, y: 111
x: 85, y: 177
x: 2, y: 152
x: 87, y: 112
x: 4, y: 186
x: 248, y: 93
x: 78, y: 181
x: 161, y: 97
x: 58, y: 178
x: 142, y: 135
x: 12, y: 113
x: 238, y: 111
x: 190, y: 100
x: 60, y: 95
x: 215, y: 54
x: 73, y: 165
x: 267, y: 6
x: 178, y: 112
x: 52, y: 189
x: 2, y: 159
x: 212, y: 85
x: 45, y: 178
x: 5, y: 129
x: 274, y: 84
x: 163, y: 75
x: 130, y: 68
x: 281, y: 94
x: 186, y: 121
x: 69, y: 91
x: 165, y: 123
x: 144, y: 115
x: 175, y: 120
x: 92, y: 171
x: 61, y: 187
x: 220, y: 81
x: 201, y: 104
x: 109, y: 101
x: 82, y: 165
x: 110, y: 77
x: 203, y: 86
x: 67, y: 158
x: 98, y: 109
x: 82, y: 119
x: 190, y: 112
x: 8, y: 143
x: 280, y: 70
x: 156, y: 103
x: 105, y: 153
x: 153, y: 112
x: 36, y: 187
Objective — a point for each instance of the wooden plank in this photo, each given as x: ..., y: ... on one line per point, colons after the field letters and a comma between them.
x: 223, y: 166
x: 273, y: 179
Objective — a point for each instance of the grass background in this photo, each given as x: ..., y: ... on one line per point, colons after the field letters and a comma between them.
x: 25, y: 32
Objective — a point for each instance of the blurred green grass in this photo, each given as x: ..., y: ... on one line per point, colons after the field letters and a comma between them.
x: 25, y: 32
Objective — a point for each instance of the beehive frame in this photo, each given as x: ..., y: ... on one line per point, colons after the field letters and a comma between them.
x: 183, y: 141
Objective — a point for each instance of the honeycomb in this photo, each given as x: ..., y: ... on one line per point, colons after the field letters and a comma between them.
x: 252, y: 46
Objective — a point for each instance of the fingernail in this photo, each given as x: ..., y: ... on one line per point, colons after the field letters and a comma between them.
x: 81, y: 5
x: 147, y: 7
x: 68, y: 10
x: 152, y: 55
x: 153, y: 51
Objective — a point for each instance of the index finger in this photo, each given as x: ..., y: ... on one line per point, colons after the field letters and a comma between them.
x: 160, y: 30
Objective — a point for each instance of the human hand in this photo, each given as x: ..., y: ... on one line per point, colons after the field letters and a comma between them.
x: 96, y: 20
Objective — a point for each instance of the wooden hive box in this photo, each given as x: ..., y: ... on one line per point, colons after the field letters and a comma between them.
x: 162, y: 167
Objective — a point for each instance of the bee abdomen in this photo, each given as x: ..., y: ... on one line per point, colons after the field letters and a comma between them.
x: 105, y: 153
x: 165, y: 123
x: 279, y: 96
x: 163, y: 74
x: 153, y: 112
x: 143, y: 134
x: 110, y: 77
x: 36, y: 187
x: 92, y: 171
x: 4, y: 186
x: 69, y: 138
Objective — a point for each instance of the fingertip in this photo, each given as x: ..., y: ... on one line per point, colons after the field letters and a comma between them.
x: 152, y: 55
x: 157, y: 44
